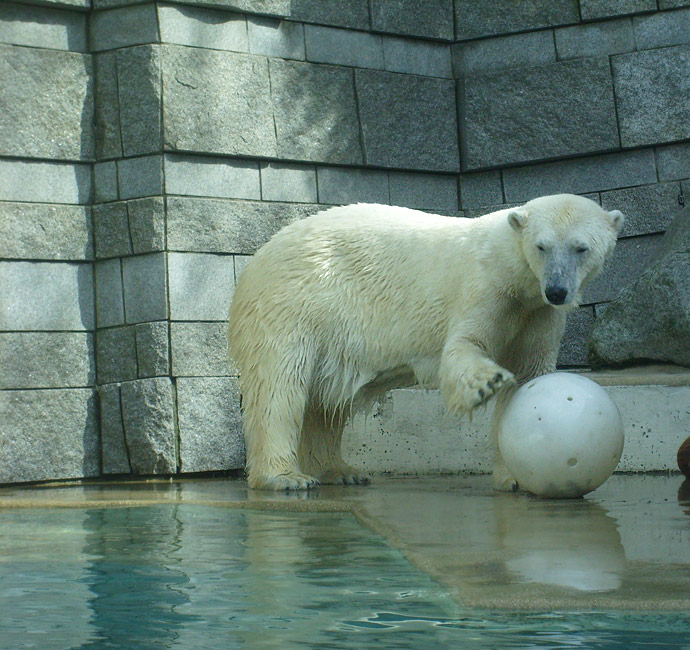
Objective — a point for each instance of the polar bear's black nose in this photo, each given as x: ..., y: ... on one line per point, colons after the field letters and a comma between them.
x: 555, y: 294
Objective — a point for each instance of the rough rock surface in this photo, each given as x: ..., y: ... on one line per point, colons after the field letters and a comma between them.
x: 650, y: 320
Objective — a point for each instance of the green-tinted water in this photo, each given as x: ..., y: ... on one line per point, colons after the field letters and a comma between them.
x: 188, y: 576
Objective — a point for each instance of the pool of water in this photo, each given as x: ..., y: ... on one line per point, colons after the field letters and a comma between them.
x: 202, y: 577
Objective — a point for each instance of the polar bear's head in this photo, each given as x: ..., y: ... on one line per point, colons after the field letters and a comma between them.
x: 565, y: 239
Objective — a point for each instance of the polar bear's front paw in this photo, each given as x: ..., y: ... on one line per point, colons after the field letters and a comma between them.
x: 478, y: 387
x: 291, y: 480
x: 503, y: 480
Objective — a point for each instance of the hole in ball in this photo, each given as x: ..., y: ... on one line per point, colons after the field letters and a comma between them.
x: 572, y: 462
x: 570, y: 399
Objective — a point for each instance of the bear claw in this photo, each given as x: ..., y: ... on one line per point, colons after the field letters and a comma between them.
x: 487, y: 386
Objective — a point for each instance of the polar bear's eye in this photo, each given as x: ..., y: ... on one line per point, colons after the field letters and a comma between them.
x: 581, y: 248
x: 541, y: 247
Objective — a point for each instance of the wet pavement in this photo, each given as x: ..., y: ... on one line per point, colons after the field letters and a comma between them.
x: 625, y: 546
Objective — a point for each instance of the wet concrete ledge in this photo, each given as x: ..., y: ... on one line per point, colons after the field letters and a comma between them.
x: 625, y: 546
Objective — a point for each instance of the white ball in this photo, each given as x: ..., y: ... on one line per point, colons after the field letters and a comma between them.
x: 561, y: 435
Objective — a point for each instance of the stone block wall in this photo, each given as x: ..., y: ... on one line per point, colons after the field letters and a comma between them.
x: 48, y: 412
x: 147, y: 149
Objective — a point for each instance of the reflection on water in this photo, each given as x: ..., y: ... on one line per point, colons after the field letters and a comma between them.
x: 179, y: 576
x: 183, y: 576
x: 572, y: 544
x: 134, y: 577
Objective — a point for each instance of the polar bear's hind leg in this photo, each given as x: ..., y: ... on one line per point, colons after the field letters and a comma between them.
x: 274, y: 399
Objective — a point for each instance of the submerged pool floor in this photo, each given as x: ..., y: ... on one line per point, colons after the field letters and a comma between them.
x: 403, y: 563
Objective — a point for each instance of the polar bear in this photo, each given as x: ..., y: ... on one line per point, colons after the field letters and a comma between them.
x: 369, y: 296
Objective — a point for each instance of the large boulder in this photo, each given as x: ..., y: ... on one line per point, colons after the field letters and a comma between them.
x: 650, y: 320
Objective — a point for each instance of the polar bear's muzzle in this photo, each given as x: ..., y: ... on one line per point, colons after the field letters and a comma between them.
x: 560, y: 280
x: 556, y: 294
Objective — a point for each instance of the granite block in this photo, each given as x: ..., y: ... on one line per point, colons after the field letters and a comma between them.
x: 45, y: 182
x: 108, y: 135
x: 315, y: 113
x: 202, y: 176
x: 503, y: 53
x: 263, y: 7
x: 673, y: 162
x: 595, y: 9
x: 210, y: 424
x: 140, y: 177
x: 46, y: 296
x: 200, y: 349
x: 418, y: 129
x: 48, y: 434
x: 47, y: 100
x: 424, y: 191
x: 43, y: 27
x: 417, y: 57
x: 110, y: 302
x: 481, y: 189
x: 123, y: 27
x: 293, y: 183
x: 240, y: 262
x: 45, y: 231
x: 430, y: 19
x: 78, y: 5
x: 139, y: 96
x: 662, y: 29
x: 105, y: 182
x: 475, y: 19
x: 153, y: 349
x: 629, y: 259
x: 353, y: 14
x: 343, y: 47
x: 573, y: 352
x: 581, y: 175
x: 116, y: 354
x: 202, y: 27
x: 114, y: 454
x: 145, y: 288
x: 201, y: 286
x: 224, y: 226
x: 653, y: 95
x: 111, y: 230
x: 147, y: 224
x: 517, y: 116
x: 595, y: 39
x: 341, y: 186
x: 480, y: 211
x: 24, y: 355
x: 217, y: 102
x: 148, y: 413
x: 281, y: 39
x: 647, y: 208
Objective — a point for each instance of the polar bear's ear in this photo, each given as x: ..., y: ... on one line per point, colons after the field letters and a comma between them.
x: 618, y: 219
x: 517, y: 219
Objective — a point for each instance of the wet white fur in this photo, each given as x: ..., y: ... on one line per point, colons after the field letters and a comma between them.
x: 368, y: 296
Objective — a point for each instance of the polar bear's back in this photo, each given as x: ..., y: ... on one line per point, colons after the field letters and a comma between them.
x: 369, y: 252
x: 372, y: 278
